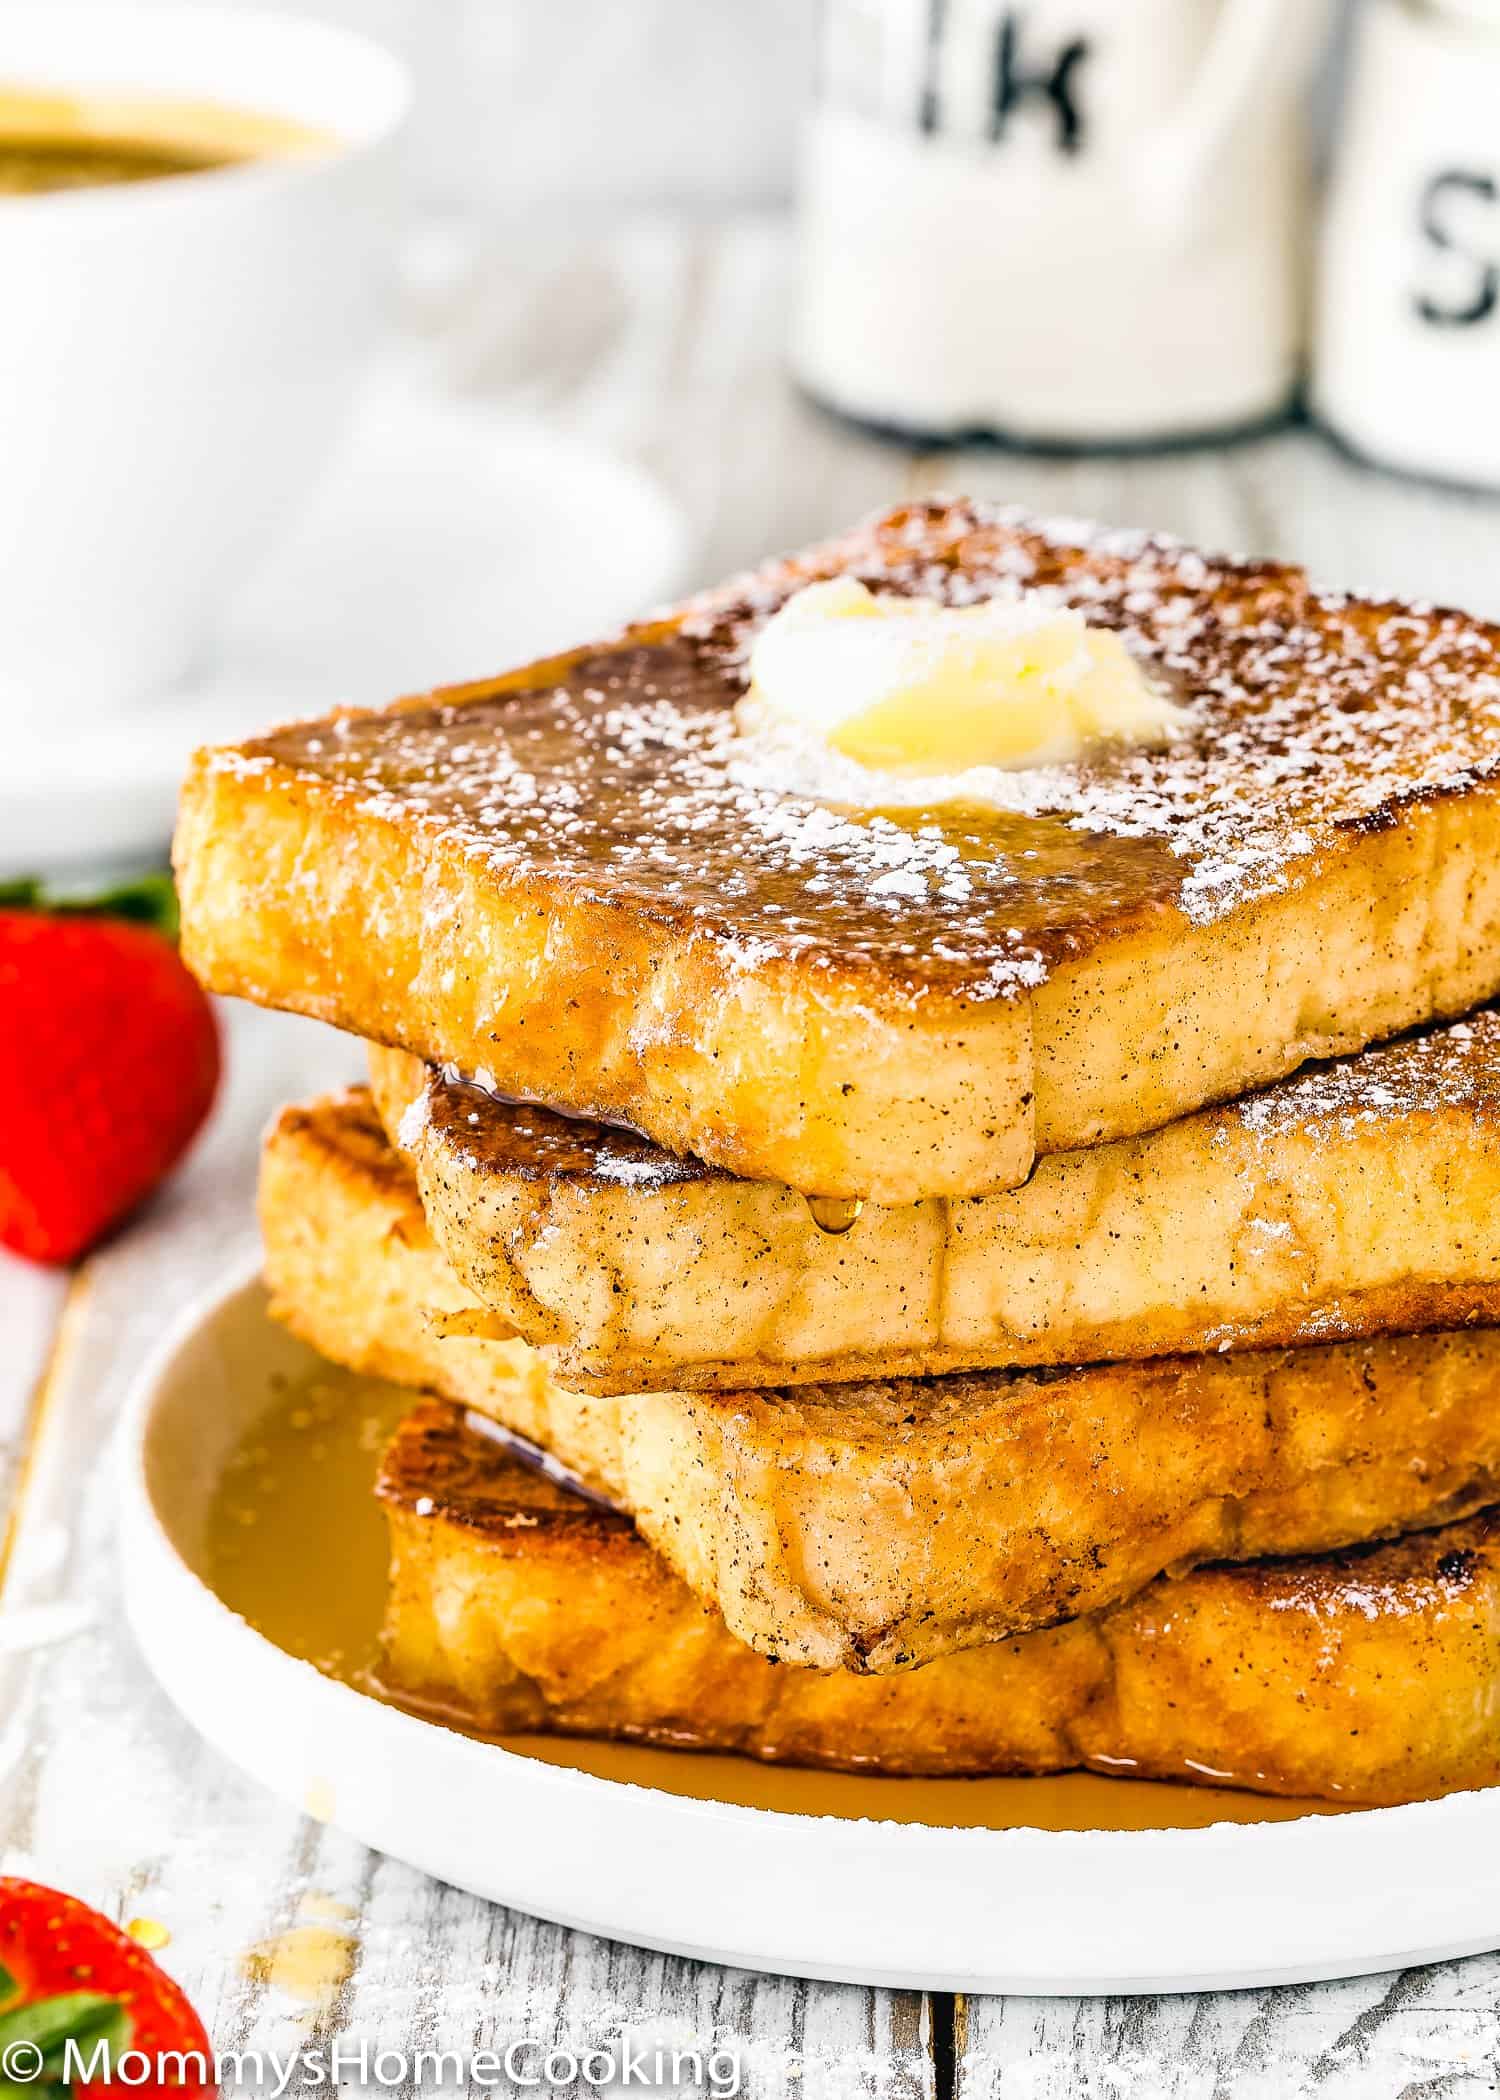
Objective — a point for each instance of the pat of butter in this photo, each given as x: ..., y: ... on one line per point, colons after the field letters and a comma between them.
x: 909, y: 685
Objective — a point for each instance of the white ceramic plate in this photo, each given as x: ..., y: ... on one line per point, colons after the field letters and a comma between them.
x: 446, y: 542
x: 846, y: 1897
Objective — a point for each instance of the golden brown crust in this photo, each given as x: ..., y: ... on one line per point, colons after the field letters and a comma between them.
x: 1356, y: 1198
x: 1360, y: 1677
x: 871, y: 1525
x: 568, y: 877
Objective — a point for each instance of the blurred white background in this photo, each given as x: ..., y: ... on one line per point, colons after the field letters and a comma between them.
x: 598, y: 102
x: 528, y: 104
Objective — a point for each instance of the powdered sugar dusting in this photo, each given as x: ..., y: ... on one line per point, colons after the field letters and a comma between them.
x: 1312, y: 716
x: 1452, y: 1069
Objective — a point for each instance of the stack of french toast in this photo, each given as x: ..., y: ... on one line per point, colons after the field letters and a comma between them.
x: 909, y: 1258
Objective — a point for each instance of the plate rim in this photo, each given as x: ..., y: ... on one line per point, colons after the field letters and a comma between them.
x: 908, y: 1905
x: 242, y: 1275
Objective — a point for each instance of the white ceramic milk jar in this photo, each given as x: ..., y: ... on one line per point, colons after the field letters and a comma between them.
x: 1060, y: 222
x: 1407, y: 365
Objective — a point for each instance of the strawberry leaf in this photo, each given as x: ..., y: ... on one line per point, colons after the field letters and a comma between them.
x: 8, y: 1985
x: 81, y: 2016
x: 147, y: 900
x: 109, y: 2026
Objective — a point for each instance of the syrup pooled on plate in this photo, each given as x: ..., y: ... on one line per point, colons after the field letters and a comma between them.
x: 297, y: 1546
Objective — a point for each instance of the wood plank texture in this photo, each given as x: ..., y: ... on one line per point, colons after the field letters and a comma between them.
x: 1431, y: 2032
x: 661, y: 339
x: 104, y: 1790
x: 31, y: 1305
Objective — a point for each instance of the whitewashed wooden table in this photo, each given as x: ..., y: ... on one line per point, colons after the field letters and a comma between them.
x: 661, y: 340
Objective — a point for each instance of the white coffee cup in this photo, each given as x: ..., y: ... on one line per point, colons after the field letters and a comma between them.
x: 1408, y: 355
x: 176, y: 356
x: 1057, y: 222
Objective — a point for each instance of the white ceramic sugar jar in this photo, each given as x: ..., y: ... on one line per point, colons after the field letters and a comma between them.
x: 1073, y: 222
x: 1407, y: 364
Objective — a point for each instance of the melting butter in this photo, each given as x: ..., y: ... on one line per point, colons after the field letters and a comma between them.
x: 907, y: 685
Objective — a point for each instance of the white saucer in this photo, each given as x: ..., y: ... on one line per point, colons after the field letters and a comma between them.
x: 447, y: 542
x: 839, y: 1896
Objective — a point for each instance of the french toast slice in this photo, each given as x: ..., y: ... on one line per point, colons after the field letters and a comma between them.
x: 873, y: 1525
x: 1355, y: 1198
x: 1368, y: 1676
x: 582, y: 881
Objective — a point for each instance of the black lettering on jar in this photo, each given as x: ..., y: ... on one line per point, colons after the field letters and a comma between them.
x: 1437, y: 196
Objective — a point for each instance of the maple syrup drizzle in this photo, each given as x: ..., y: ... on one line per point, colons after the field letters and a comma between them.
x: 835, y: 1215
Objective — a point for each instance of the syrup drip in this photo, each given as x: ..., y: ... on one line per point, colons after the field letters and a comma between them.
x: 310, y: 1963
x: 835, y: 1215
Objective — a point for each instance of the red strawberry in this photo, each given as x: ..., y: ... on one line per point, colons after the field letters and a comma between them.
x: 109, y: 1057
x: 65, y: 1972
